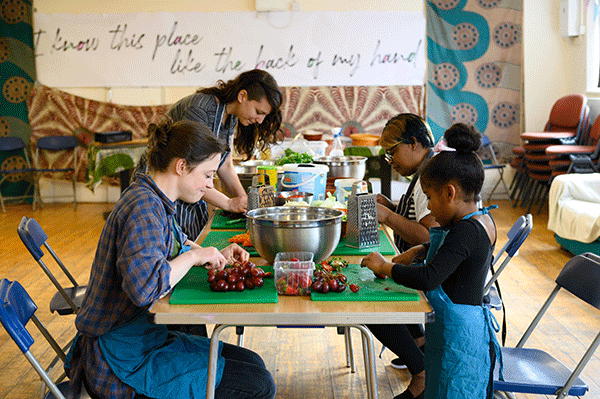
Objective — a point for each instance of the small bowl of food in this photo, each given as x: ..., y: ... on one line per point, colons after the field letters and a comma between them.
x: 285, y: 197
x: 364, y: 139
x: 313, y: 135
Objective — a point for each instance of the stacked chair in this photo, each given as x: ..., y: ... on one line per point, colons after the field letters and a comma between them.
x: 568, y: 124
x: 535, y: 371
x: 16, y: 310
x: 563, y: 156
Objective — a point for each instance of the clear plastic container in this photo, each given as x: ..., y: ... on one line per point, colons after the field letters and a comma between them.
x: 293, y: 273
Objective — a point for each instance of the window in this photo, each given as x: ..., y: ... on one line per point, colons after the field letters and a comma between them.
x: 593, y: 46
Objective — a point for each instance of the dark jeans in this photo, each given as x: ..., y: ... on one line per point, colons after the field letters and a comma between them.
x: 399, y: 338
x: 244, y: 376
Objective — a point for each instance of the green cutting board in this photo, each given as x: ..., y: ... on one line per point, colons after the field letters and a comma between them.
x: 193, y: 289
x: 370, y: 290
x: 385, y: 247
x: 220, y: 239
x: 220, y: 222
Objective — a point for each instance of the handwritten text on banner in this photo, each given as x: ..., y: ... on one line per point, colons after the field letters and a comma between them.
x: 197, y: 49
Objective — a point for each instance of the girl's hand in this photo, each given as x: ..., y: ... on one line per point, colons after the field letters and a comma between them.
x: 235, y: 252
x: 376, y: 262
x: 210, y: 257
x: 237, y: 204
x: 407, y: 257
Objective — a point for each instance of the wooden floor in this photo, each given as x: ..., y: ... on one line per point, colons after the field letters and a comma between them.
x: 306, y: 363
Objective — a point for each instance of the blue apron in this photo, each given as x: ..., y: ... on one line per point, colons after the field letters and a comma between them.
x: 459, y: 343
x: 156, y: 362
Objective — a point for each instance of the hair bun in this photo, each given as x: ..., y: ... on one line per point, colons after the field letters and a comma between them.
x: 463, y: 137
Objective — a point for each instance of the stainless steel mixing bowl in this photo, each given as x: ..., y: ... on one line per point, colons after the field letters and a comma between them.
x: 350, y: 166
x: 295, y: 229
x: 251, y: 166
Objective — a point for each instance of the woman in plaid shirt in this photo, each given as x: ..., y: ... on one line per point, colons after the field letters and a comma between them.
x: 141, y: 255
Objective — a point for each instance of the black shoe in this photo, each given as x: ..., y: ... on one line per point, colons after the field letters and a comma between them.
x: 408, y: 395
x: 398, y: 363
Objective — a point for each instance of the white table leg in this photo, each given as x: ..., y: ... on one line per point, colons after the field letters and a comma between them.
x: 369, y: 355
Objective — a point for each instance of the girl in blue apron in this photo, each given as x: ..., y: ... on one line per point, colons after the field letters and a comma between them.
x: 142, y: 254
x: 461, y: 347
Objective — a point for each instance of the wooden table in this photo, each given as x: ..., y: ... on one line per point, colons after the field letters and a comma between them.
x: 295, y: 311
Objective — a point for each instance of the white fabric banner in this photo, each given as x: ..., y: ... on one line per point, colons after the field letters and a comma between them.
x: 197, y: 49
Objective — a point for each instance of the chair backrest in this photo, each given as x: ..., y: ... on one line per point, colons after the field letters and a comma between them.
x: 57, y: 143
x: 516, y: 236
x: 581, y: 277
x: 11, y: 143
x: 16, y: 310
x: 567, y: 113
x: 34, y: 238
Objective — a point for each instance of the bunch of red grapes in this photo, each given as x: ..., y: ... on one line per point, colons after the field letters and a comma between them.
x: 238, y: 277
x: 328, y: 281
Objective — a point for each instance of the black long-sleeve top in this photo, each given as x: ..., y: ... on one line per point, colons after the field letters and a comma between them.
x: 460, y: 265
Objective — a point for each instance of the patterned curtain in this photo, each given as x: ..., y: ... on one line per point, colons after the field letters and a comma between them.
x: 356, y: 109
x: 474, y: 51
x: 17, y: 74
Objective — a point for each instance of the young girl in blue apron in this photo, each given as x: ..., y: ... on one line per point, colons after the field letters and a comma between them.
x: 461, y: 346
x: 142, y: 254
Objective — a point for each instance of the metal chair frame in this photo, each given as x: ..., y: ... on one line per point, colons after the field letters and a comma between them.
x: 67, y: 300
x: 487, y: 144
x: 57, y: 144
x: 529, y: 370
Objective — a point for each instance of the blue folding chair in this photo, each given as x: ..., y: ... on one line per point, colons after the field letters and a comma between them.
x: 492, y: 164
x: 16, y: 167
x: 16, y: 310
x: 55, y: 145
x: 533, y: 371
x: 516, y: 236
x: 67, y: 300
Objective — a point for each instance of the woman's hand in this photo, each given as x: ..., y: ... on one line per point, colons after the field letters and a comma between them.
x: 383, y: 213
x: 210, y: 257
x: 237, y: 204
x: 235, y: 252
x: 376, y: 262
x: 385, y: 201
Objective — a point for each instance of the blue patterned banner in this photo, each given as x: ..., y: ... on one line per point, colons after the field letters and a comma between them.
x: 474, y: 50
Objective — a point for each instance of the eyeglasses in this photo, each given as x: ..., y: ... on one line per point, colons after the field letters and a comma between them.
x: 389, y: 154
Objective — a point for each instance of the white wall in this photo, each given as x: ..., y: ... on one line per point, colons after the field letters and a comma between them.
x: 553, y: 66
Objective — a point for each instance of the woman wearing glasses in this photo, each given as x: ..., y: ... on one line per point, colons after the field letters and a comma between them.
x: 408, y: 143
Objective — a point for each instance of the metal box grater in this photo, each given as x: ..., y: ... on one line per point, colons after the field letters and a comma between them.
x: 363, y: 225
x: 260, y: 194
